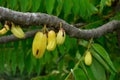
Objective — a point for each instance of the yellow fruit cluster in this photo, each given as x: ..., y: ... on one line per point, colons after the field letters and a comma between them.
x: 15, y: 29
x: 43, y: 41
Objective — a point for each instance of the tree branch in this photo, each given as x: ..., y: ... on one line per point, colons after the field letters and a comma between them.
x: 30, y: 19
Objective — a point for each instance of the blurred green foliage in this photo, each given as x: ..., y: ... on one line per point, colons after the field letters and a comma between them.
x: 16, y: 59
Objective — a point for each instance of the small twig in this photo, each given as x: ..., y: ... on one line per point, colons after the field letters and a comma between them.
x: 79, y: 25
x: 10, y: 38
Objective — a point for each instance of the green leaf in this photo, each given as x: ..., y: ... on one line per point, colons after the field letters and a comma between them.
x: 29, y: 63
x: 23, y: 45
x: 81, y: 49
x: 2, y: 2
x: 83, y: 43
x: 112, y: 76
x: 79, y: 74
x: 61, y: 65
x: 90, y: 73
x: 38, y: 67
x: 116, y: 17
x: 61, y: 49
x: 98, y: 58
x: 12, y: 4
x: 15, y: 44
x: 47, y: 57
x: 50, y: 6
x: 67, y: 42
x: 14, y: 61
x: 20, y: 60
x: 35, y: 5
x: 42, y: 7
x: 95, y: 24
x: 67, y: 7
x: 85, y: 70
x: 2, y: 59
x: 102, y: 4
x: 59, y: 7
x: 98, y: 70
x: 103, y: 53
x: 72, y: 51
x: 55, y: 55
x: 86, y: 8
x: 25, y: 5
x: 7, y: 55
x: 75, y: 7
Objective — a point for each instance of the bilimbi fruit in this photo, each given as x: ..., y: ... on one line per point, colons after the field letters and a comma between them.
x: 4, y: 30
x: 17, y: 31
x: 39, y: 44
x: 61, y: 36
x: 51, y: 40
x: 88, y: 58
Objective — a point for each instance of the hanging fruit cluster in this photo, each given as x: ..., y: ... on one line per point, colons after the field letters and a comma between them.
x: 15, y: 29
x: 47, y: 40
x: 42, y: 40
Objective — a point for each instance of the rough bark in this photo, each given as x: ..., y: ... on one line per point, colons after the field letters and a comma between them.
x: 30, y: 19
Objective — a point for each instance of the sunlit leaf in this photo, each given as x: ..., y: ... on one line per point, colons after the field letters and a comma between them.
x: 50, y: 6
x: 35, y: 5
x: 25, y: 5
x: 12, y: 4
x: 75, y: 7
x: 86, y: 8
x: 102, y: 4
x: 59, y: 7
x: 67, y: 6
